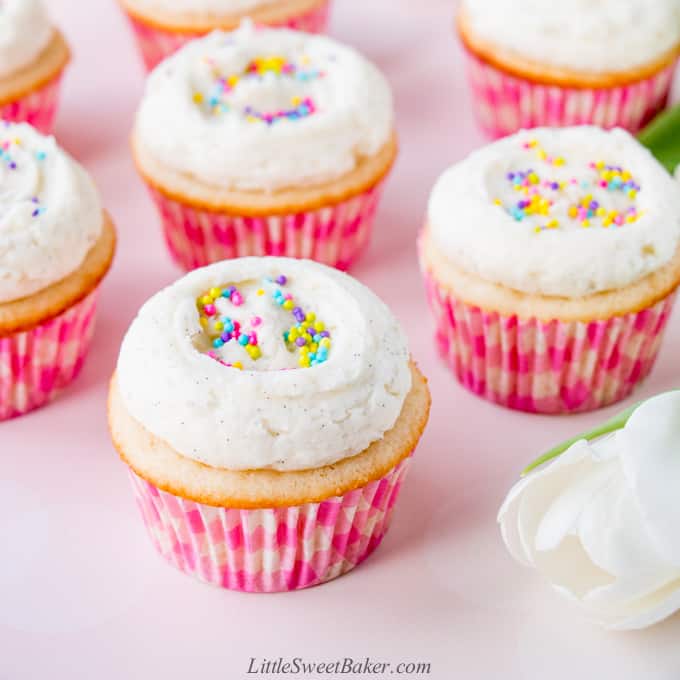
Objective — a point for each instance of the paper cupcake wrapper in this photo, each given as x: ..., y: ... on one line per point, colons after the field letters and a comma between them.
x: 35, y: 365
x: 39, y: 108
x: 334, y: 235
x: 546, y: 367
x: 270, y: 550
x: 504, y: 103
x: 156, y: 44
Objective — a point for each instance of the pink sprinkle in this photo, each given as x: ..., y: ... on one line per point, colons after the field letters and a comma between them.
x: 619, y: 220
x: 256, y: 321
x: 236, y: 298
x: 237, y: 327
x: 253, y: 338
x: 603, y: 184
x: 209, y: 310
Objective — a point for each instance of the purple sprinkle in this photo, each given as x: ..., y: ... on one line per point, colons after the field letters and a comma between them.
x: 12, y: 166
x: 300, y: 342
x: 555, y: 186
x: 325, y: 334
x: 594, y: 205
x: 226, y: 336
x: 281, y: 280
x: 36, y: 212
x: 510, y: 176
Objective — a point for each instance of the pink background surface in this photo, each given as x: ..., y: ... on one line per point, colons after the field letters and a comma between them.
x: 83, y: 594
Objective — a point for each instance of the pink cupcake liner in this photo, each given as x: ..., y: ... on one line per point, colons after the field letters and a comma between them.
x: 156, y: 44
x: 504, y: 103
x: 39, y: 108
x: 35, y: 365
x: 334, y: 235
x: 546, y: 367
x: 270, y: 550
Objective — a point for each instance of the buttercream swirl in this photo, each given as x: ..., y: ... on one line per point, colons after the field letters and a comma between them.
x: 278, y: 407
x: 50, y: 212
x: 594, y: 36
x: 25, y: 31
x: 563, y: 212
x: 263, y: 109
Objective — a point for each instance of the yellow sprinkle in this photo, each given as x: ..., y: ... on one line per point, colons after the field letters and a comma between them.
x: 198, y: 98
x: 631, y: 218
x: 600, y: 212
x: 260, y: 291
x: 313, y: 347
x: 311, y: 317
x: 626, y: 176
x: 206, y: 300
x: 606, y: 221
x: 599, y: 165
x: 318, y: 327
x: 293, y: 334
x: 203, y: 321
x: 573, y: 211
x: 215, y: 292
x: 538, y: 230
x: 559, y: 160
x: 304, y: 325
x: 232, y: 81
x: 296, y: 101
x: 238, y: 364
x: 632, y: 193
x: 304, y: 362
x: 553, y: 224
x: 254, y: 351
x: 219, y: 326
x: 288, y: 304
x: 585, y: 224
x: 498, y: 201
x: 325, y: 342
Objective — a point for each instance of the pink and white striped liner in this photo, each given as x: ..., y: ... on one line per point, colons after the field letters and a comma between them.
x: 35, y: 365
x: 334, y: 235
x: 546, y: 367
x: 156, y: 44
x: 504, y: 103
x: 39, y: 108
x: 270, y: 550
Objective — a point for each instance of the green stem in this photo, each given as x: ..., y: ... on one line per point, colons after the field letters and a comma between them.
x: 615, y: 423
x: 618, y: 422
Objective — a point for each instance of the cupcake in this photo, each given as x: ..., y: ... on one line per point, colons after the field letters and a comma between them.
x: 56, y: 245
x: 161, y: 27
x: 267, y: 410
x: 551, y: 260
x: 265, y: 142
x: 33, y: 55
x: 532, y: 63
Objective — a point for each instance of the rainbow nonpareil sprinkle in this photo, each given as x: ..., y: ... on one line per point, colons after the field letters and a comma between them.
x: 307, y: 335
x: 217, y: 100
x: 540, y: 189
x: 8, y: 157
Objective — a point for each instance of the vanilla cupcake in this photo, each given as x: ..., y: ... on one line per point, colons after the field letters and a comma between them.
x: 265, y: 142
x: 533, y: 63
x: 56, y: 245
x: 267, y: 409
x: 33, y: 55
x: 161, y: 27
x: 551, y: 260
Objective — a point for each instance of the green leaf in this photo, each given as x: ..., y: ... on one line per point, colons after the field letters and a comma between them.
x: 662, y: 138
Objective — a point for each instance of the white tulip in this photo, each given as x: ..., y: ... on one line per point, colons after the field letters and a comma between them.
x: 602, y: 522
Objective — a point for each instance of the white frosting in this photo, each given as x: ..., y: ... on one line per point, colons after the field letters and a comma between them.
x: 219, y: 146
x: 601, y: 522
x: 488, y: 239
x: 588, y: 35
x: 265, y: 416
x: 50, y: 213
x: 25, y: 31
x: 219, y: 7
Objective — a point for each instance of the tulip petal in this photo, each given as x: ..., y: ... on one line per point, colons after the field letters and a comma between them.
x: 650, y: 453
x: 651, y: 610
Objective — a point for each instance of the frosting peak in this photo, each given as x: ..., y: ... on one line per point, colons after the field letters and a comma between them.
x: 263, y: 109
x: 326, y: 374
